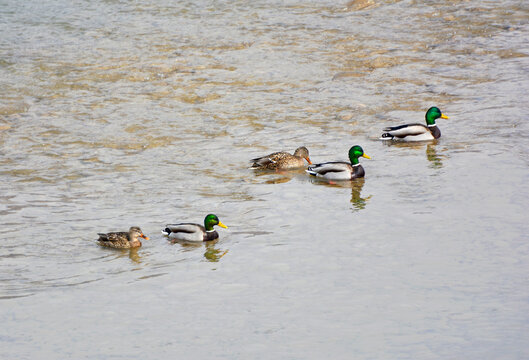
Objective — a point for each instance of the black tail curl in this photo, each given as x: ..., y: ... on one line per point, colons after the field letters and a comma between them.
x: 387, y: 136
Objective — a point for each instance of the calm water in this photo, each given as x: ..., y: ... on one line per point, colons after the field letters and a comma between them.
x: 117, y: 113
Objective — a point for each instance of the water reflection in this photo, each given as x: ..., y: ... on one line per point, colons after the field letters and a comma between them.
x: 435, y: 159
x: 135, y: 256
x: 357, y: 201
x: 411, y: 145
x: 278, y: 176
x: 211, y: 253
x: 132, y: 254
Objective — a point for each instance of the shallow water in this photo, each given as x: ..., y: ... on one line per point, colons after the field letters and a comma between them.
x: 115, y: 114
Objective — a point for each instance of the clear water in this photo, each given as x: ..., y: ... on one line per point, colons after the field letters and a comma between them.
x: 117, y: 113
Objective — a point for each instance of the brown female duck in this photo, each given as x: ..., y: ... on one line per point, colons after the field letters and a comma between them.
x: 282, y: 160
x: 122, y: 240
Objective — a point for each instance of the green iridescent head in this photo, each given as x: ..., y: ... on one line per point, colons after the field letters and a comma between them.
x: 355, y: 152
x: 432, y: 114
x: 212, y: 220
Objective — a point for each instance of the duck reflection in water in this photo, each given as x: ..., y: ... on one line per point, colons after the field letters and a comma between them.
x: 211, y: 253
x: 133, y: 254
x: 279, y: 176
x: 436, y: 160
x: 357, y: 201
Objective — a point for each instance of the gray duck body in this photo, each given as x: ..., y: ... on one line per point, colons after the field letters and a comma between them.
x: 189, y: 232
x: 337, y: 170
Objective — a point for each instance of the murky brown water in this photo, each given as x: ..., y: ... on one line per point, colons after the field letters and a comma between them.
x: 116, y: 113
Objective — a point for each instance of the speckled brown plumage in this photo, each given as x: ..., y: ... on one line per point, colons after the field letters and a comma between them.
x: 282, y: 160
x: 122, y: 240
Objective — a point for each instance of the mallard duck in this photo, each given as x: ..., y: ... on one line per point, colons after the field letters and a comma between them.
x: 122, y: 240
x: 416, y: 132
x: 340, y: 170
x: 194, y: 232
x: 282, y: 160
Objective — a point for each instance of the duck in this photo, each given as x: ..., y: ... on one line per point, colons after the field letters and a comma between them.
x: 341, y: 170
x: 122, y: 240
x: 194, y: 232
x: 417, y: 132
x: 282, y: 160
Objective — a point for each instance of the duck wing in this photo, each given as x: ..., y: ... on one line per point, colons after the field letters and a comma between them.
x: 402, y: 131
x: 185, y: 231
x: 333, y: 170
x: 272, y: 158
x: 114, y: 236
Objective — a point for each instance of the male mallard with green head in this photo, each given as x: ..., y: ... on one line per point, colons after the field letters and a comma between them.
x: 194, y: 232
x: 122, y: 240
x: 416, y: 132
x: 340, y: 170
x: 282, y: 160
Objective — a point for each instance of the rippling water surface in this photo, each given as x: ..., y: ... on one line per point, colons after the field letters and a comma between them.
x: 117, y: 113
